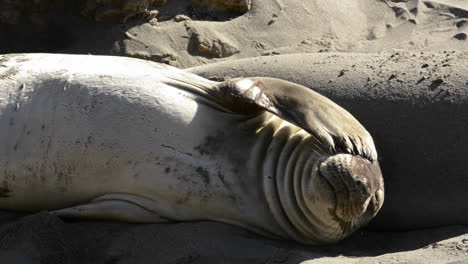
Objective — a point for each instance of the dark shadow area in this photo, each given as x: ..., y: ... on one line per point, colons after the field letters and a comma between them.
x: 416, y: 140
x: 194, y: 12
x: 33, y: 38
x: 76, y: 36
x: 34, y: 28
x: 61, y: 30
x: 9, y: 216
x: 47, y: 238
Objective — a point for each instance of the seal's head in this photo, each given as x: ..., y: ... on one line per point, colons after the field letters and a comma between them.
x: 346, y: 191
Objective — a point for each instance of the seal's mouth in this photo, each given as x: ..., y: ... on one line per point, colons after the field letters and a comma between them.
x: 358, y: 187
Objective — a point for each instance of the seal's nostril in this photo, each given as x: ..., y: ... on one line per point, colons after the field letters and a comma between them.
x: 358, y: 185
x: 361, y: 187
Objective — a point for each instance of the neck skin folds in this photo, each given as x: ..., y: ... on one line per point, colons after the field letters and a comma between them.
x: 298, y: 199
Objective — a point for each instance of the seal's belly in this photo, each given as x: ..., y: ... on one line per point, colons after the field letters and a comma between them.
x: 65, y: 143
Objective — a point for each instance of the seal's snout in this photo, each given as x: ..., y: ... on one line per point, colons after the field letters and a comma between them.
x: 358, y: 185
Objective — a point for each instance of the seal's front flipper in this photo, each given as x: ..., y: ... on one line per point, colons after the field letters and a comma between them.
x: 336, y: 129
x: 120, y: 207
x: 329, y: 123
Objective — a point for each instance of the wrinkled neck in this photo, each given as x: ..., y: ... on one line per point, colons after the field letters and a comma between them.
x: 290, y: 157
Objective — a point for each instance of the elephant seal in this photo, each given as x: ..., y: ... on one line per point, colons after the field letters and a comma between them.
x: 131, y: 140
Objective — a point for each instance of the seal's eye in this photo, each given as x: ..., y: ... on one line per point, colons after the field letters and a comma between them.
x: 356, y: 182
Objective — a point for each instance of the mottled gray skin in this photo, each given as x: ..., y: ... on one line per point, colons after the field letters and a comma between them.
x: 131, y: 140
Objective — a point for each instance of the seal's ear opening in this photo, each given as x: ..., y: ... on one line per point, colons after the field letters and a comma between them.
x: 358, y: 185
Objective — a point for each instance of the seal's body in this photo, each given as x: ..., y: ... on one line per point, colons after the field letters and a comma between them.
x: 119, y: 138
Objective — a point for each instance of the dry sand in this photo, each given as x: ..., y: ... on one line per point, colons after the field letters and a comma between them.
x: 282, y: 27
x: 42, y: 238
x: 187, y: 35
x: 270, y: 28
